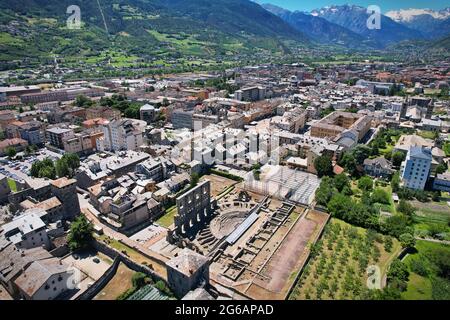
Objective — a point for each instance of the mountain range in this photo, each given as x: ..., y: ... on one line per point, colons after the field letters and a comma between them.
x: 430, y: 23
x: 199, y: 28
x: 347, y: 25
x: 174, y: 27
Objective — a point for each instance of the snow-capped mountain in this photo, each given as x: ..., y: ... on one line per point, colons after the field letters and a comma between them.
x: 317, y: 28
x: 408, y: 15
x: 355, y: 18
x: 431, y: 23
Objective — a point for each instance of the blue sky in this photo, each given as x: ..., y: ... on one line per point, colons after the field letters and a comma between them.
x: 385, y: 5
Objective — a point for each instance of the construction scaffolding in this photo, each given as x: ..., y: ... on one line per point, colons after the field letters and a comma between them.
x: 285, y: 184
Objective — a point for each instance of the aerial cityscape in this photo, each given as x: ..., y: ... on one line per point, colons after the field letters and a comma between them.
x: 228, y: 150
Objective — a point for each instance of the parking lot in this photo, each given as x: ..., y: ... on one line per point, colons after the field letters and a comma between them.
x: 19, y: 170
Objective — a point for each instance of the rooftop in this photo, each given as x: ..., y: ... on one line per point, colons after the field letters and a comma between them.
x: 187, y: 261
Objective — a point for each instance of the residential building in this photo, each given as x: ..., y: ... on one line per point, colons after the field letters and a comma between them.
x: 26, y: 231
x: 82, y: 143
x: 123, y: 134
x: 44, y: 280
x: 442, y: 182
x: 13, y: 263
x: 16, y: 143
x: 30, y: 131
x: 102, y: 112
x: 250, y: 94
x: 6, y: 117
x: 182, y: 119
x: 55, y: 136
x: 407, y: 141
x: 378, y: 167
x: 416, y: 168
x: 148, y: 113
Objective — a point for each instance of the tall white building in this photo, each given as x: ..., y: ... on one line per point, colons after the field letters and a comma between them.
x: 123, y: 134
x: 416, y: 168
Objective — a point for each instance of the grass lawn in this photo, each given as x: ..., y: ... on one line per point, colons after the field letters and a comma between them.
x: 133, y: 254
x: 167, y: 219
x: 225, y: 192
x: 338, y: 270
x: 427, y: 134
x: 12, y: 185
x: 430, y: 214
x: 421, y: 287
x: 120, y: 283
x: 391, y: 206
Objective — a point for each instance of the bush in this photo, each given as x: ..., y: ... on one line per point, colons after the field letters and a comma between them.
x: 388, y: 243
x: 365, y: 183
x: 398, y: 275
x: 418, y: 266
x: 405, y: 208
x: 380, y: 196
x: 407, y: 240
x: 139, y: 279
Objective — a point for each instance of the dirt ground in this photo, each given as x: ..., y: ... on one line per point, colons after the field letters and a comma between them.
x: 218, y: 183
x: 279, y: 273
x: 4, y: 295
x: 120, y: 283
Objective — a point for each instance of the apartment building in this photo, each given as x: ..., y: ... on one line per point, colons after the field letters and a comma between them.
x: 26, y: 231
x: 55, y: 136
x: 416, y: 168
x: 123, y: 134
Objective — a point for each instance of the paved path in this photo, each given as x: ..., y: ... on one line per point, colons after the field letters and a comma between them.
x: 433, y: 240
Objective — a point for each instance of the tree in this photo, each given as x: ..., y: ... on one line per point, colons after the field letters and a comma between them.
x: 407, y: 240
x: 194, y: 179
x: 62, y: 169
x: 325, y: 191
x: 73, y: 162
x: 361, y: 152
x: 396, y: 225
x: 10, y: 152
x: 398, y: 271
x: 397, y: 158
x: 341, y: 181
x: 80, y: 233
x: 441, y: 168
x: 405, y: 208
x: 395, y: 182
x: 340, y: 205
x: 365, y: 183
x: 82, y: 101
x: 47, y: 172
x: 388, y: 243
x: 324, y: 166
x: 348, y: 161
x: 380, y: 196
x: 138, y: 279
